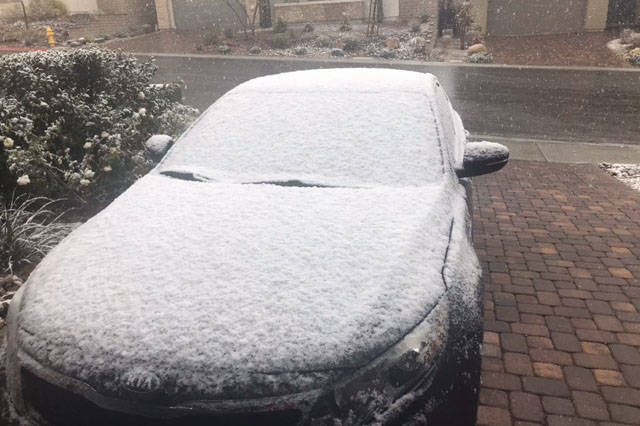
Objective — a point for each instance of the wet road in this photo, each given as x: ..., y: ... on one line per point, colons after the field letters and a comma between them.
x: 538, y: 103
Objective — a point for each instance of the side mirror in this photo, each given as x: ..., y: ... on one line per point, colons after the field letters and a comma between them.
x: 481, y: 158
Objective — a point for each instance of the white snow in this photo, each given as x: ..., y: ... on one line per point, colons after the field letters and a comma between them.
x: 224, y: 283
x: 626, y: 173
x: 354, y: 127
x: 159, y: 144
x: 485, y: 150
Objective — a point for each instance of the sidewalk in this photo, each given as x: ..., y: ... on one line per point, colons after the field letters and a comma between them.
x: 566, y: 152
x: 560, y: 246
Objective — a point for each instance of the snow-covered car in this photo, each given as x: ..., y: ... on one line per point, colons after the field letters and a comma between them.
x: 301, y: 254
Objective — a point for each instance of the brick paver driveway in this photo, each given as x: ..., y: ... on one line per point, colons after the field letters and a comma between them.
x: 560, y: 245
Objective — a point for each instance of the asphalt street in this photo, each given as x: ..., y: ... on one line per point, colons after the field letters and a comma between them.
x: 542, y: 103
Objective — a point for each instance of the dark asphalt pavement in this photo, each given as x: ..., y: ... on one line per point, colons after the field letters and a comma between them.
x: 586, y: 105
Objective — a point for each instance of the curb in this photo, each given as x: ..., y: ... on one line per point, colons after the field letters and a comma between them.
x: 372, y: 60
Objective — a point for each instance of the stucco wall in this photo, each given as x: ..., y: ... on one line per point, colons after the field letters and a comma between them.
x: 596, y: 16
x: 320, y: 11
x: 479, y: 12
x: 73, y: 6
x: 417, y: 8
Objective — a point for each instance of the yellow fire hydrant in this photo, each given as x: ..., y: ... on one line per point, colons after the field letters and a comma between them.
x: 51, y: 36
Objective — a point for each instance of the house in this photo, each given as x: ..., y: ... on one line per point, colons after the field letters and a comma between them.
x: 198, y: 14
x: 532, y: 17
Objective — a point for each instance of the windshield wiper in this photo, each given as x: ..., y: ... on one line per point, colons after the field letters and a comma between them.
x: 291, y: 182
x: 190, y: 176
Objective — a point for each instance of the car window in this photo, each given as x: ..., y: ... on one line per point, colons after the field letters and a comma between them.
x: 324, y: 137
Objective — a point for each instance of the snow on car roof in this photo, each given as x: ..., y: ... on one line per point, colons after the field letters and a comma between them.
x: 340, y: 126
x: 218, y: 287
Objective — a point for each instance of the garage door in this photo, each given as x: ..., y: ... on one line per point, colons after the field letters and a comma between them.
x: 201, y: 14
x: 528, y: 17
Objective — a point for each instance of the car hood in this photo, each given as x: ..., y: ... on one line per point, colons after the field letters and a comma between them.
x: 213, y: 290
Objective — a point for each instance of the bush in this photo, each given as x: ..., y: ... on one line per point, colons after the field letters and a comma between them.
x: 229, y: 33
x: 279, y: 41
x: 346, y: 25
x: 633, y: 56
x: 39, y: 10
x: 308, y: 28
x: 415, y: 27
x: 424, y: 18
x: 323, y: 41
x: 280, y: 26
x: 210, y: 38
x: 73, y: 123
x: 480, y: 58
x: 351, y: 44
x: 28, y: 230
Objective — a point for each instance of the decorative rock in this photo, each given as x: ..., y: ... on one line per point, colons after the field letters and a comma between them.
x: 224, y: 49
x: 337, y: 52
x: 255, y: 50
x: 625, y: 36
x: 300, y: 50
x: 387, y: 53
x: 476, y: 48
x: 99, y: 40
x: 392, y: 43
x: 74, y: 44
x: 82, y: 40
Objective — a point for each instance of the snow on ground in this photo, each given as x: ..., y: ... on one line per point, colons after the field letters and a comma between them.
x: 627, y: 173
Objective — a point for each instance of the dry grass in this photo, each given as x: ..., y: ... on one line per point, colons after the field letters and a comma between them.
x: 29, y: 229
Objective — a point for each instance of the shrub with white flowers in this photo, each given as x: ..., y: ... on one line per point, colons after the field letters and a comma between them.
x: 73, y: 123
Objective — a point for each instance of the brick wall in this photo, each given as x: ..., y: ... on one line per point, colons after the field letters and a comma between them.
x: 416, y: 8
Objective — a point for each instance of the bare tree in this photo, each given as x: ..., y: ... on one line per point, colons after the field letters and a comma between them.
x: 24, y: 13
x: 239, y: 10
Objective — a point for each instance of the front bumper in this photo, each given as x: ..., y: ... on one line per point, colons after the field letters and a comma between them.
x: 379, y: 392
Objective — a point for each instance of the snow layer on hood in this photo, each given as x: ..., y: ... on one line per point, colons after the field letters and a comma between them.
x: 359, y: 127
x: 212, y: 286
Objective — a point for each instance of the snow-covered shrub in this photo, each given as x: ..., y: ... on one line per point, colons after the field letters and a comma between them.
x: 633, y: 56
x: 480, y: 58
x: 28, y: 230
x: 351, y: 44
x: 73, y: 123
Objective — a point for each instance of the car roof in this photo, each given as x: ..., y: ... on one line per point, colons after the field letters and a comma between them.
x: 344, y: 127
x: 343, y: 80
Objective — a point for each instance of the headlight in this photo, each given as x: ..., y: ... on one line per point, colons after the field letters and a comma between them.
x: 401, y: 374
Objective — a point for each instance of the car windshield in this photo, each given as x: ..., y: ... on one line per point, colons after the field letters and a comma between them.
x: 320, y: 138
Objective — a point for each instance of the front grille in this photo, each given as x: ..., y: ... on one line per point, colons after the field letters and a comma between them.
x: 61, y: 407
